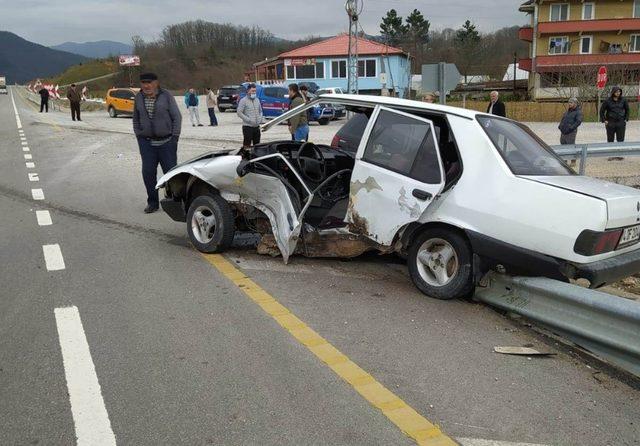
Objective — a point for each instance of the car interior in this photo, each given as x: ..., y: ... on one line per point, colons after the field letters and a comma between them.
x: 327, y: 170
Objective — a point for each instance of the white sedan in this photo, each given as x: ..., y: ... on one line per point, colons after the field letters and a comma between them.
x: 459, y: 193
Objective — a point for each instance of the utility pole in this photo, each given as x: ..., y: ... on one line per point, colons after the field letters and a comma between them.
x: 515, y: 71
x: 353, y: 8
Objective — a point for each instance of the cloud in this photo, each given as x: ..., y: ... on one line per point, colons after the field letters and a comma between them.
x: 53, y: 22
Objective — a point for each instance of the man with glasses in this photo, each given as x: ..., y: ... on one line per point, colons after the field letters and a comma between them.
x: 157, y: 122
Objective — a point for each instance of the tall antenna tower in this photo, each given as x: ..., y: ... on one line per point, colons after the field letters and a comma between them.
x: 354, y: 9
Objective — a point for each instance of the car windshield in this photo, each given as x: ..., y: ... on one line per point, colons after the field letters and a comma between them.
x: 522, y: 150
x: 228, y: 91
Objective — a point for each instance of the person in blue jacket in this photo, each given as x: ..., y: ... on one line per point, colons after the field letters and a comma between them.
x: 191, y: 101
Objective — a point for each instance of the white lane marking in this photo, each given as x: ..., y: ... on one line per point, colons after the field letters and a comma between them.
x: 480, y: 442
x: 90, y: 416
x: 15, y: 109
x: 33, y: 176
x: 30, y: 165
x: 37, y: 194
x: 24, y: 143
x: 53, y: 257
x: 44, y: 218
x: 25, y: 149
x: 28, y: 156
x: 22, y: 138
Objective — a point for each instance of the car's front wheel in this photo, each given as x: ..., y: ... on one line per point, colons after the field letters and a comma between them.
x: 112, y: 112
x: 323, y: 121
x: 221, y: 110
x: 210, y: 223
x: 439, y: 263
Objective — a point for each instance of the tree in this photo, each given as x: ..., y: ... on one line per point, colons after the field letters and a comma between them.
x: 468, y: 33
x: 467, y: 42
x: 418, y: 35
x: 392, y: 28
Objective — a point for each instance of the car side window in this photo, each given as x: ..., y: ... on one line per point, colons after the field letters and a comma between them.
x: 405, y: 145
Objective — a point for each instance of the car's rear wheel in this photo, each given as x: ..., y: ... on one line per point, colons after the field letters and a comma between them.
x: 323, y: 121
x: 112, y: 112
x: 210, y: 223
x: 221, y: 110
x: 439, y: 263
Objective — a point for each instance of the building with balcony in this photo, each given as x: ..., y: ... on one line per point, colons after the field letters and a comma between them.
x: 325, y: 63
x: 570, y: 39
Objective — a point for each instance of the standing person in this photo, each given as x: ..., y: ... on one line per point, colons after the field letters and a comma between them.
x: 571, y: 120
x: 298, y: 125
x: 250, y: 111
x: 429, y: 98
x: 496, y: 106
x: 191, y: 101
x: 74, y: 97
x: 157, y: 122
x: 304, y: 92
x: 212, y: 101
x: 614, y: 113
x: 44, y: 99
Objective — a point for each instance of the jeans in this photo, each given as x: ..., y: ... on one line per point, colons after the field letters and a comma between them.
x: 166, y: 155
x: 194, y: 115
x: 212, y: 116
x: 616, y: 130
x: 301, y: 133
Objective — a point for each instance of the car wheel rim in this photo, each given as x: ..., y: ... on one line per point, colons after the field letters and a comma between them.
x: 437, y: 262
x: 203, y: 224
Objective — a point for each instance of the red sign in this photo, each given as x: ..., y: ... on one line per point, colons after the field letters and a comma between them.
x: 127, y: 60
x: 602, y: 78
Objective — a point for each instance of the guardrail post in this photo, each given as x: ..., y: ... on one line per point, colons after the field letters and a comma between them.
x: 583, y: 160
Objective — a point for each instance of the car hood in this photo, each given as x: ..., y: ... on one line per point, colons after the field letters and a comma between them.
x: 623, y: 202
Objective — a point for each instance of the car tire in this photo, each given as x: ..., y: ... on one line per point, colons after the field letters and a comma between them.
x: 210, y: 223
x: 221, y: 110
x: 440, y: 264
x: 112, y: 112
x: 323, y: 121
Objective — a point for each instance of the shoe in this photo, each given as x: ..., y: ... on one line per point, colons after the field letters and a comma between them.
x: 200, y: 125
x: 150, y: 209
x: 193, y: 125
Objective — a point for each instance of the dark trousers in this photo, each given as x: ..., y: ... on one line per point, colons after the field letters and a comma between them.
x: 616, y: 129
x: 212, y: 116
x: 166, y: 155
x: 44, y: 105
x: 75, y: 110
x: 251, y: 136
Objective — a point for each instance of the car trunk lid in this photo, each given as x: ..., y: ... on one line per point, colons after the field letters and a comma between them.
x: 623, y: 202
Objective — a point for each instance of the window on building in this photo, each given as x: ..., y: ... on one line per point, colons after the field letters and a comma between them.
x: 339, y: 69
x: 615, y: 48
x: 586, y: 44
x: 634, y: 45
x: 636, y: 9
x: 559, y: 12
x: 367, y: 68
x: 306, y: 71
x: 558, y: 45
x: 588, y: 11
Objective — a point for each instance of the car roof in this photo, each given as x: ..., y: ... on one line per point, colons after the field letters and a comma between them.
x: 397, y: 102
x: 231, y: 86
x: 125, y: 88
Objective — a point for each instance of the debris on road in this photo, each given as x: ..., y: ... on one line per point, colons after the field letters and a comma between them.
x: 521, y: 351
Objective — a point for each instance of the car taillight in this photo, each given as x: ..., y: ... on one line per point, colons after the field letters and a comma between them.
x: 335, y: 142
x: 591, y: 243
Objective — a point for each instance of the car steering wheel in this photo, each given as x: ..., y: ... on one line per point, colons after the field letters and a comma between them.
x: 310, y: 160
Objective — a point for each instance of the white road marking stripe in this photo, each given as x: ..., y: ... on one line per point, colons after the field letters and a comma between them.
x: 37, y: 194
x: 480, y: 442
x: 30, y: 165
x: 22, y: 138
x: 24, y: 143
x: 44, y: 218
x: 90, y: 416
x: 33, y: 176
x: 53, y: 257
x: 28, y: 156
x: 25, y: 149
x: 15, y: 109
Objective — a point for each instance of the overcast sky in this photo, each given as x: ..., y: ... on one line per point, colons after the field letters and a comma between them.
x: 50, y: 22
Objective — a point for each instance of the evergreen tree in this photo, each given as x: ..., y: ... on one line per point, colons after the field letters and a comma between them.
x: 418, y: 36
x: 392, y: 28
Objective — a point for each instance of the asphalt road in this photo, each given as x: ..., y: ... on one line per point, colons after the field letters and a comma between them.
x: 127, y: 334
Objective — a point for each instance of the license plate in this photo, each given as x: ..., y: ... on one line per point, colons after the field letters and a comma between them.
x: 630, y: 235
x: 224, y: 97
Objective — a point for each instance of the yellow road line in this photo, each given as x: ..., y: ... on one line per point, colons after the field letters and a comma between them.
x: 410, y: 422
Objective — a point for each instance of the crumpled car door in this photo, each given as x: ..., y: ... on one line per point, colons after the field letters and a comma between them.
x: 397, y: 174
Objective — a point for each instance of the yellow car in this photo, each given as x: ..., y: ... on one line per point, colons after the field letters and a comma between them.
x: 120, y: 101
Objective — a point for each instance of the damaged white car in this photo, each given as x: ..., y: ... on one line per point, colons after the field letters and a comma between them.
x: 458, y: 193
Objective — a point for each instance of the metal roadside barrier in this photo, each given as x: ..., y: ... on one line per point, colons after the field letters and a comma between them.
x: 602, y: 150
x: 606, y: 325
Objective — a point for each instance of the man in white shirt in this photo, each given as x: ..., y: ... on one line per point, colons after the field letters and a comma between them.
x: 212, y: 101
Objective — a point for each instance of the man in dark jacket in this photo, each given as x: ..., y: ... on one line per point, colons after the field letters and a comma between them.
x: 157, y: 123
x: 570, y: 122
x: 75, y: 96
x: 496, y: 106
x: 44, y: 99
x: 614, y: 112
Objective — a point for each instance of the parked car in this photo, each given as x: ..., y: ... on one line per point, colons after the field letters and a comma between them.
x: 349, y: 136
x: 312, y: 87
x: 120, y: 101
x: 228, y: 97
x: 340, y: 110
x: 458, y: 192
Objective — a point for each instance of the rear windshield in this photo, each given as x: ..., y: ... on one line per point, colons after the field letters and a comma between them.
x: 522, y: 150
x: 228, y: 91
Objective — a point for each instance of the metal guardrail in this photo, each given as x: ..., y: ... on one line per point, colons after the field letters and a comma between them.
x: 602, y: 150
x: 606, y: 325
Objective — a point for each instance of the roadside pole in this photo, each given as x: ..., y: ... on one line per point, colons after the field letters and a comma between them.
x: 441, y: 85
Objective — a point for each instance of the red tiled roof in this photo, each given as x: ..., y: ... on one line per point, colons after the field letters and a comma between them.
x: 339, y: 46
